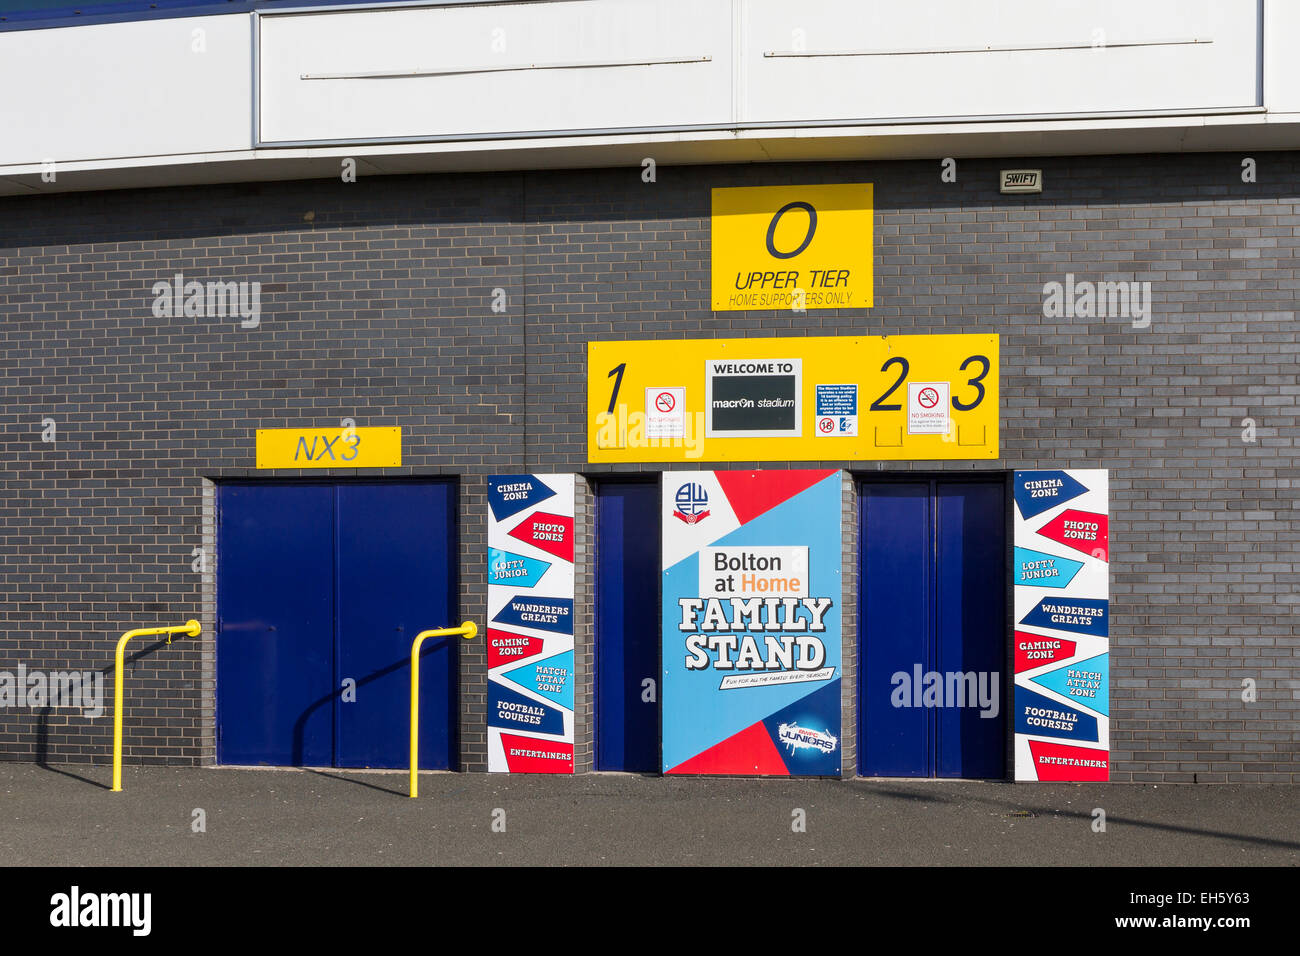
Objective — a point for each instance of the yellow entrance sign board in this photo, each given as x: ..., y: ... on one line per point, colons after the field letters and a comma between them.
x: 870, y: 398
x: 329, y: 447
x: 792, y: 247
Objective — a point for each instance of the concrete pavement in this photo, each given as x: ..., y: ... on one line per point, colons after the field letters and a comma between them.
x: 65, y: 815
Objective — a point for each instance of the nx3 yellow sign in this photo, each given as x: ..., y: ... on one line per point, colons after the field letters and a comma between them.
x: 898, y: 397
x: 792, y: 247
x: 329, y: 447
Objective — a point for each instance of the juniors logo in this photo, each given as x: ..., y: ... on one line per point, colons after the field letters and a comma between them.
x: 797, y: 738
x: 692, y: 503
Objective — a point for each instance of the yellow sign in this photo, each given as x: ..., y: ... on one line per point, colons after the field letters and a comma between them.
x: 329, y: 447
x: 902, y: 397
x: 792, y: 247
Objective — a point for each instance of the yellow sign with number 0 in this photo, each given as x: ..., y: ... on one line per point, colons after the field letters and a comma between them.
x: 792, y: 247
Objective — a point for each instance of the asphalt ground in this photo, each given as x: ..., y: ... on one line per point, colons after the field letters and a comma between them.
x: 66, y: 816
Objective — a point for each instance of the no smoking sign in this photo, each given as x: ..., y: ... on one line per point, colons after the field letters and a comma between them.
x: 927, y: 408
x: 665, y: 412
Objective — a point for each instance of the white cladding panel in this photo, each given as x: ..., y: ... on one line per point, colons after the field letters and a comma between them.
x: 126, y: 89
x: 136, y: 94
x: 1281, y: 65
x: 889, y: 61
x: 1127, y: 56
x: 590, y: 41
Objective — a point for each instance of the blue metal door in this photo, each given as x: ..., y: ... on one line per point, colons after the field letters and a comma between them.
x: 932, y: 629
x: 395, y: 554
x: 970, y: 626
x: 627, y: 626
x: 321, y: 590
x: 275, y: 644
x: 894, y: 633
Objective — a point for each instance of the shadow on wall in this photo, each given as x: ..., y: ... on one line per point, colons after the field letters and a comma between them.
x: 43, y: 721
x: 550, y: 197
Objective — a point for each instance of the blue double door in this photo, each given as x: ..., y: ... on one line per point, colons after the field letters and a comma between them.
x: 932, y: 628
x: 627, y: 626
x: 321, y: 589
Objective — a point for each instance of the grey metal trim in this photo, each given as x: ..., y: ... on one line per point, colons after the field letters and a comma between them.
x: 406, y: 4
x: 255, y: 87
x: 513, y: 68
x: 775, y: 125
x: 1259, y: 52
x: 1033, y: 47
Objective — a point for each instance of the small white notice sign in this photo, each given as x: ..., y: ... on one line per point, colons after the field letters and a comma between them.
x: 927, y: 408
x: 665, y: 412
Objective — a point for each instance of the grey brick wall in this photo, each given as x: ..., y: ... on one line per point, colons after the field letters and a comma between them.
x: 377, y: 306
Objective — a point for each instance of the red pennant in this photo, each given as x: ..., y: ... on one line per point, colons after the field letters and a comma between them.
x: 749, y: 752
x: 505, y: 648
x: 692, y: 519
x: 551, y: 533
x: 529, y: 755
x: 751, y: 493
x: 1084, y: 531
x: 1035, y: 650
x: 1062, y: 762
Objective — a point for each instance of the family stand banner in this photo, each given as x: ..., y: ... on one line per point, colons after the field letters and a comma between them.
x: 752, y: 593
x: 1062, y: 633
x: 530, y: 624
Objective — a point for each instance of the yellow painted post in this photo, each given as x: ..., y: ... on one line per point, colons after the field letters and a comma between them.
x: 191, y: 628
x: 469, y: 629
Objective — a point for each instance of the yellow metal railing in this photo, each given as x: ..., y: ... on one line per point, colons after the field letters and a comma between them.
x: 469, y: 629
x: 190, y: 628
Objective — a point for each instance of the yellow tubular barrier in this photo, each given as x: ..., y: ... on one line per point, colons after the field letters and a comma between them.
x: 469, y: 629
x: 190, y: 628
